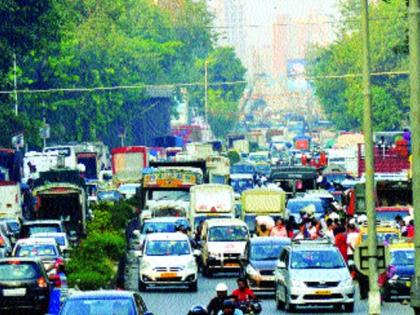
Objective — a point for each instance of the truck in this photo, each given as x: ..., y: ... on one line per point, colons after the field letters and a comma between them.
x: 200, y: 151
x: 36, y: 162
x: 128, y: 163
x: 167, y: 142
x: 294, y: 180
x: 60, y: 195
x: 210, y: 201
x: 302, y: 142
x: 91, y: 164
x: 262, y: 202
x: 218, y: 169
x: 10, y: 200
x: 166, y: 190
x: 241, y: 146
x: 346, y: 158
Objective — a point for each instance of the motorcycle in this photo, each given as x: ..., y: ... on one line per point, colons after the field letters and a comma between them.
x: 249, y: 307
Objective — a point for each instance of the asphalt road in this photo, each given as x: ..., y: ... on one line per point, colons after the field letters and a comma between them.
x: 177, y: 301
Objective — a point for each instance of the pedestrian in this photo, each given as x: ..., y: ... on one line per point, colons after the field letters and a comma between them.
x: 353, y: 236
x: 341, y: 241
x: 303, y: 232
x: 280, y: 229
x: 330, y: 230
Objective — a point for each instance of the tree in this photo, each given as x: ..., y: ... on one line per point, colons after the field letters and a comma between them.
x: 342, y: 98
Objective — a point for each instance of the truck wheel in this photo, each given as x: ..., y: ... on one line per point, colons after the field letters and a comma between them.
x: 142, y: 286
x: 193, y: 287
x: 349, y: 307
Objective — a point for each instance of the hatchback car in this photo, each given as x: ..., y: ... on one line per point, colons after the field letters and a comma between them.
x: 168, y: 259
x: 260, y: 261
x: 24, y: 285
x: 105, y: 302
x: 313, y: 273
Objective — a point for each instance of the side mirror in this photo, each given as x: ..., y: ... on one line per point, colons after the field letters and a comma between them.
x: 197, y: 253
x: 281, y: 265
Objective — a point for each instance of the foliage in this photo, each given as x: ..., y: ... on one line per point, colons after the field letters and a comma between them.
x: 84, y: 43
x: 342, y: 98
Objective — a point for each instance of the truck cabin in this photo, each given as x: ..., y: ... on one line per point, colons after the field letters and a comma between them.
x: 90, y: 161
x: 294, y: 180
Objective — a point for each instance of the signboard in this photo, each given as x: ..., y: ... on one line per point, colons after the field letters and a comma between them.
x: 361, y: 258
x: 171, y: 179
x: 44, y: 132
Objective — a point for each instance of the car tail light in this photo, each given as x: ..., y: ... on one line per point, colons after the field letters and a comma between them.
x: 42, y: 283
x: 58, y: 262
x: 1, y: 241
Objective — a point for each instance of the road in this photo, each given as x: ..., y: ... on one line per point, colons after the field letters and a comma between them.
x: 176, y: 301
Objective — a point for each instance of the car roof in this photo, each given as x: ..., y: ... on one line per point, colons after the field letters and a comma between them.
x: 101, y: 294
x: 269, y: 240
x: 38, y: 222
x: 308, y: 244
x: 35, y: 241
x: 225, y: 222
x: 167, y: 237
x: 166, y: 219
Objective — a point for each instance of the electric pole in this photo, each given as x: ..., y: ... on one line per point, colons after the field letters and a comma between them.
x: 374, y: 294
x: 206, y: 91
x: 414, y: 44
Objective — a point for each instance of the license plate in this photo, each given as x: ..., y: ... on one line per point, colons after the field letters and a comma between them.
x: 231, y: 264
x: 168, y: 275
x: 268, y: 278
x: 408, y: 284
x: 14, y: 292
x: 323, y: 292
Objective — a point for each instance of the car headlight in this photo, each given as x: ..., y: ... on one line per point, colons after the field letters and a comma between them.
x: 145, y: 265
x: 393, y: 279
x: 252, y: 272
x: 346, y: 283
x: 297, y: 283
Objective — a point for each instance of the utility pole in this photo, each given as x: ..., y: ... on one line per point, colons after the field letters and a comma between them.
x: 414, y: 43
x: 15, y: 84
x: 374, y: 295
x: 206, y: 91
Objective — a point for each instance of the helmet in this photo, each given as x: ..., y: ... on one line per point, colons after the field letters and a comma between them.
x: 228, y: 304
x: 198, y: 310
x: 256, y: 307
x: 221, y: 287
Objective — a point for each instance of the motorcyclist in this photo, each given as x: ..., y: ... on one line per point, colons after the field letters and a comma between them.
x: 243, y: 293
x: 229, y: 308
x: 216, y: 304
x: 198, y: 310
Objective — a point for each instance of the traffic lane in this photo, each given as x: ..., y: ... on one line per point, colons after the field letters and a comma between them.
x: 178, y: 301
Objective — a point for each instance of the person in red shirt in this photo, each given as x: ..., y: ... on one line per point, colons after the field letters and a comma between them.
x: 243, y: 293
x: 341, y: 241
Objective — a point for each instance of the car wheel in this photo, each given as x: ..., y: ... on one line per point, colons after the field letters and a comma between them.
x: 279, y: 303
x: 142, y: 286
x: 193, y: 287
x: 289, y: 307
x: 349, y: 307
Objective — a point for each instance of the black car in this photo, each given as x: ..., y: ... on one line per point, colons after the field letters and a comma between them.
x: 24, y: 285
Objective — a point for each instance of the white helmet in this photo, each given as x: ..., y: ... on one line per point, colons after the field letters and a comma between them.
x: 221, y: 287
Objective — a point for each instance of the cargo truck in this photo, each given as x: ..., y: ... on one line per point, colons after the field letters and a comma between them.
x: 128, y: 164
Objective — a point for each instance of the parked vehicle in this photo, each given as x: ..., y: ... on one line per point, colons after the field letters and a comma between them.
x: 313, y: 273
x: 260, y: 261
x: 168, y: 259
x: 24, y: 285
x: 223, y: 244
x: 104, y: 302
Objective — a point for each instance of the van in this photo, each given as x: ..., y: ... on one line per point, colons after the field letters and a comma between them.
x: 223, y: 244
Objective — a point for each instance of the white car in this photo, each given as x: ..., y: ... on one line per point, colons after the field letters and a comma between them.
x: 59, y: 237
x: 168, y: 259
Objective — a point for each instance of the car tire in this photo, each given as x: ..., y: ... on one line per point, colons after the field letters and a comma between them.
x: 349, y: 307
x: 279, y: 304
x: 142, y: 286
x: 193, y: 287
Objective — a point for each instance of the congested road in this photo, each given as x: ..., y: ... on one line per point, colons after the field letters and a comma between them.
x: 177, y: 301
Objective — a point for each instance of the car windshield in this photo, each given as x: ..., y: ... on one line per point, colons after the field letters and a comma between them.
x: 295, y: 206
x: 402, y: 257
x: 390, y: 215
x: 265, y: 251
x: 180, y: 195
x: 228, y: 234
x: 44, y: 229
x: 316, y: 259
x: 16, y: 270
x: 99, y: 306
x: 167, y: 248
x: 36, y: 250
x: 162, y: 227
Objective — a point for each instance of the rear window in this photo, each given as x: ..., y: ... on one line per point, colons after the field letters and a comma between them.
x: 44, y: 229
x: 99, y: 306
x: 36, y: 250
x: 19, y: 271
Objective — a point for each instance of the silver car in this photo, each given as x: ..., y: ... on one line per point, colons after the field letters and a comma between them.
x: 313, y: 273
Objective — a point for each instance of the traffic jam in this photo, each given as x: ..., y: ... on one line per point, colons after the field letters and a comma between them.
x: 279, y: 215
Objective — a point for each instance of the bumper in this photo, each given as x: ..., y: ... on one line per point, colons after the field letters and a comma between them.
x: 327, y: 296
x: 169, y: 278
x: 38, y: 302
x: 399, y: 289
x: 262, y: 284
x: 224, y: 263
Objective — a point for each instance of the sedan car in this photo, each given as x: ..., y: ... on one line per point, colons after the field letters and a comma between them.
x: 24, y: 285
x: 105, y: 302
